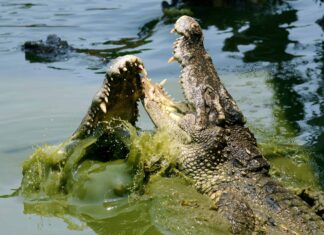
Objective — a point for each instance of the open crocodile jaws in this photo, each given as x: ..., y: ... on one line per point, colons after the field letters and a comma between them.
x: 217, y: 152
x: 117, y: 97
x: 114, y: 103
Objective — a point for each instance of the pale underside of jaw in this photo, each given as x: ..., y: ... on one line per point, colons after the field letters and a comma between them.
x: 156, y: 93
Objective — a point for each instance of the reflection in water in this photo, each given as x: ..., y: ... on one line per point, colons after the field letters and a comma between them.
x: 317, y: 122
x: 123, y: 46
x: 288, y: 101
x: 264, y: 32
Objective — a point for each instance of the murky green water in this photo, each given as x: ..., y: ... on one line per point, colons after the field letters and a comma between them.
x: 270, y: 58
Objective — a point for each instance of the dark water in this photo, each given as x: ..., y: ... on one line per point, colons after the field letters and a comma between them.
x: 270, y: 57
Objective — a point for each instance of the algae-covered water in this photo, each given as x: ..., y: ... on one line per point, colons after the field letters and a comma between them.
x: 269, y: 57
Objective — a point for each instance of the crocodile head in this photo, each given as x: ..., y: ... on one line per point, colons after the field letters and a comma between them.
x: 113, y: 104
x: 208, y: 126
x: 200, y: 82
x: 117, y: 97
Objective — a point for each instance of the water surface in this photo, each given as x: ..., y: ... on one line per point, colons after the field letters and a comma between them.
x: 271, y: 59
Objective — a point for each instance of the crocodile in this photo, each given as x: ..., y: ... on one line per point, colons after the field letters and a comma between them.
x: 217, y: 151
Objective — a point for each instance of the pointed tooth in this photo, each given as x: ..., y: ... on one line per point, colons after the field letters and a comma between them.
x: 170, y: 109
x: 173, y: 30
x: 125, y: 69
x: 175, y: 117
x: 141, y: 67
x: 162, y: 83
x: 172, y: 59
x: 106, y: 99
x: 103, y: 107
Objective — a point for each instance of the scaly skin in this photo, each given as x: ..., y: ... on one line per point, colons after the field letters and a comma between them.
x: 217, y: 152
x: 214, y: 105
x: 117, y: 97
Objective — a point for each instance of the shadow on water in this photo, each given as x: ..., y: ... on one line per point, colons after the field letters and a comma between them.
x: 123, y: 46
x: 265, y: 27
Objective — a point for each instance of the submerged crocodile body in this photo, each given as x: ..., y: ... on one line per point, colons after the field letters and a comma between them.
x: 217, y: 152
x: 53, y: 49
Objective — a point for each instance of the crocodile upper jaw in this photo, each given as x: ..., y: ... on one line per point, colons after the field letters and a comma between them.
x: 117, y: 98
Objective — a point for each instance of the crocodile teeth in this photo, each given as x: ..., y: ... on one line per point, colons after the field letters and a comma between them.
x: 173, y: 30
x: 151, y: 92
x: 142, y: 69
x: 106, y: 99
x: 162, y: 83
x: 175, y: 117
x: 103, y: 107
x: 170, y: 109
x: 125, y: 69
x: 172, y: 59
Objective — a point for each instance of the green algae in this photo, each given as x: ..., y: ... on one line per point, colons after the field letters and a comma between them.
x: 47, y: 168
x: 291, y: 164
x: 62, y: 181
x: 154, y: 154
x: 170, y: 206
x: 87, y: 193
x: 191, y: 212
x: 95, y: 181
